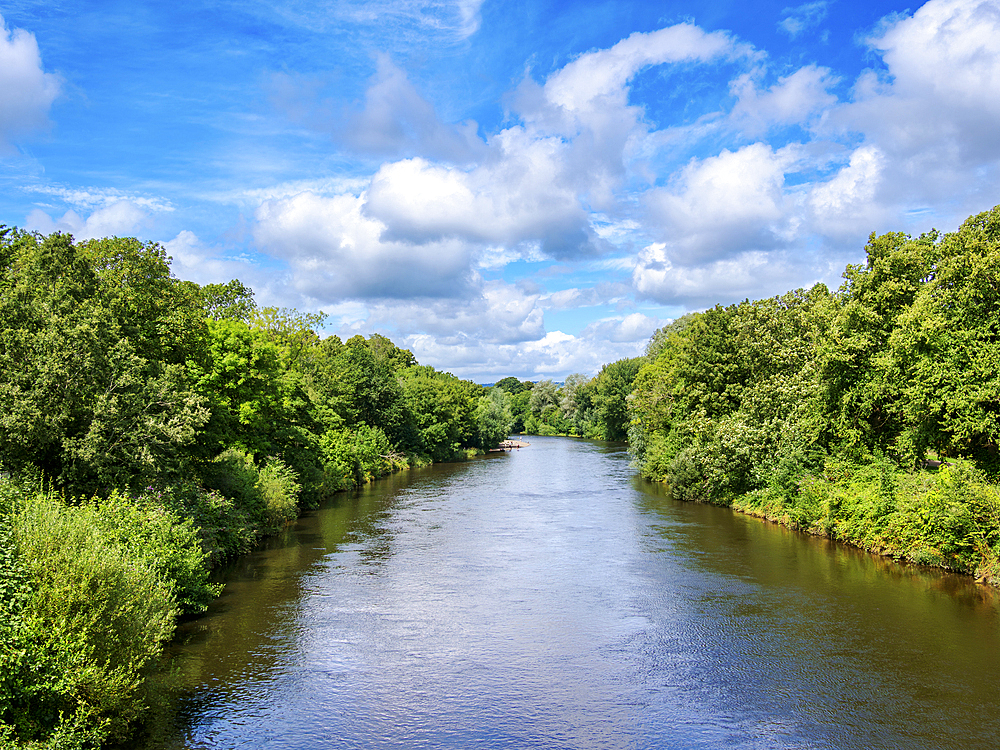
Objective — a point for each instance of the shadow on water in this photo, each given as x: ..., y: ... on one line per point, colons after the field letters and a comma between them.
x: 550, y: 599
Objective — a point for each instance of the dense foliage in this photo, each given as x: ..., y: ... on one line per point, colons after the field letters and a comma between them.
x: 149, y: 428
x: 583, y: 407
x: 832, y: 411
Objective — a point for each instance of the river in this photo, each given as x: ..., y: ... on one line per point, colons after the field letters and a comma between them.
x: 549, y: 598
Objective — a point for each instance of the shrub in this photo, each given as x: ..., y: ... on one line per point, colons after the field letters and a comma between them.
x: 354, y: 457
x: 152, y: 532
x: 96, y: 618
x: 266, y: 498
x: 279, y: 494
x: 224, y: 528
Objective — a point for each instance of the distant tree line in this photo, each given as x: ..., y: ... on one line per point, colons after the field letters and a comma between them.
x: 593, y: 408
x: 150, y: 427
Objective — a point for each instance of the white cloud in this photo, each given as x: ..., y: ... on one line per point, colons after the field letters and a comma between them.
x: 727, y: 203
x: 520, y: 196
x: 605, y: 293
x: 26, y: 90
x: 118, y: 219
x: 194, y: 261
x: 335, y: 251
x: 938, y: 108
x: 555, y: 355
x: 396, y: 120
x: 494, y: 313
x: 803, y: 17
x: 752, y: 274
x: 596, y: 79
x: 632, y: 328
x: 567, y: 177
x: 847, y: 202
x: 395, y: 23
x: 794, y: 99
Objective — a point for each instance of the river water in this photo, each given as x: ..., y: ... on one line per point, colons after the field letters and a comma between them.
x: 550, y: 599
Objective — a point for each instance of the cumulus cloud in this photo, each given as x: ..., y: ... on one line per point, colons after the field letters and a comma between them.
x: 26, y: 90
x: 193, y: 260
x: 396, y: 120
x: 794, y: 99
x: 494, y: 313
x: 752, y: 274
x: 555, y: 355
x: 633, y: 328
x: 518, y: 198
x: 596, y: 79
x: 725, y: 204
x: 846, y: 202
x: 934, y: 114
x: 120, y: 218
x: 334, y: 251
x: 604, y: 293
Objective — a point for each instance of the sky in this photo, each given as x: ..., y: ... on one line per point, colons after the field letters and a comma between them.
x: 505, y: 188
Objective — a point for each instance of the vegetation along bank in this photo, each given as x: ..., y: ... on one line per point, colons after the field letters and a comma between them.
x: 150, y: 428
x: 869, y: 415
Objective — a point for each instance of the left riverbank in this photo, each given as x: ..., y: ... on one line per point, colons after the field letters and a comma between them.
x: 150, y: 428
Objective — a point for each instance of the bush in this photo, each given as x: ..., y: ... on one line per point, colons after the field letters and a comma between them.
x: 90, y: 615
x: 151, y: 531
x: 354, y: 457
x: 279, y: 494
x: 264, y: 498
x: 224, y: 528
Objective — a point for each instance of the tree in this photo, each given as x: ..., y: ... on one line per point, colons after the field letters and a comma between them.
x: 611, y: 389
x: 443, y: 409
x: 229, y: 301
x: 544, y: 394
x: 94, y: 343
x: 493, y: 418
x: 863, y: 400
x: 944, y: 349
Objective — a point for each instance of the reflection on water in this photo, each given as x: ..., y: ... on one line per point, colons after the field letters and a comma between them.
x: 550, y: 599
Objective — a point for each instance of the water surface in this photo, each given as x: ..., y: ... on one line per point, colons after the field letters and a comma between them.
x: 550, y: 599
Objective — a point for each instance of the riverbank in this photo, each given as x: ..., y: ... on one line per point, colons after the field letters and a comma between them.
x: 946, y: 517
x: 91, y: 590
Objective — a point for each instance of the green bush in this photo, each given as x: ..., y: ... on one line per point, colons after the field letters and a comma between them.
x: 152, y: 532
x: 279, y: 494
x: 224, y: 528
x: 354, y: 457
x: 83, y: 639
x: 265, y: 498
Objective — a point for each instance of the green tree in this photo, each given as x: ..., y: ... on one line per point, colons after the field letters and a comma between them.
x: 944, y: 350
x: 444, y: 411
x: 493, y: 418
x: 611, y: 390
x: 94, y: 341
x: 863, y: 399
x: 229, y: 301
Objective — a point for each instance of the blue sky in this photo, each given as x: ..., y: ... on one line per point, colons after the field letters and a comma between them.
x: 506, y: 188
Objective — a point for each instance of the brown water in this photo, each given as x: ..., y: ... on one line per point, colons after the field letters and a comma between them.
x: 550, y: 599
